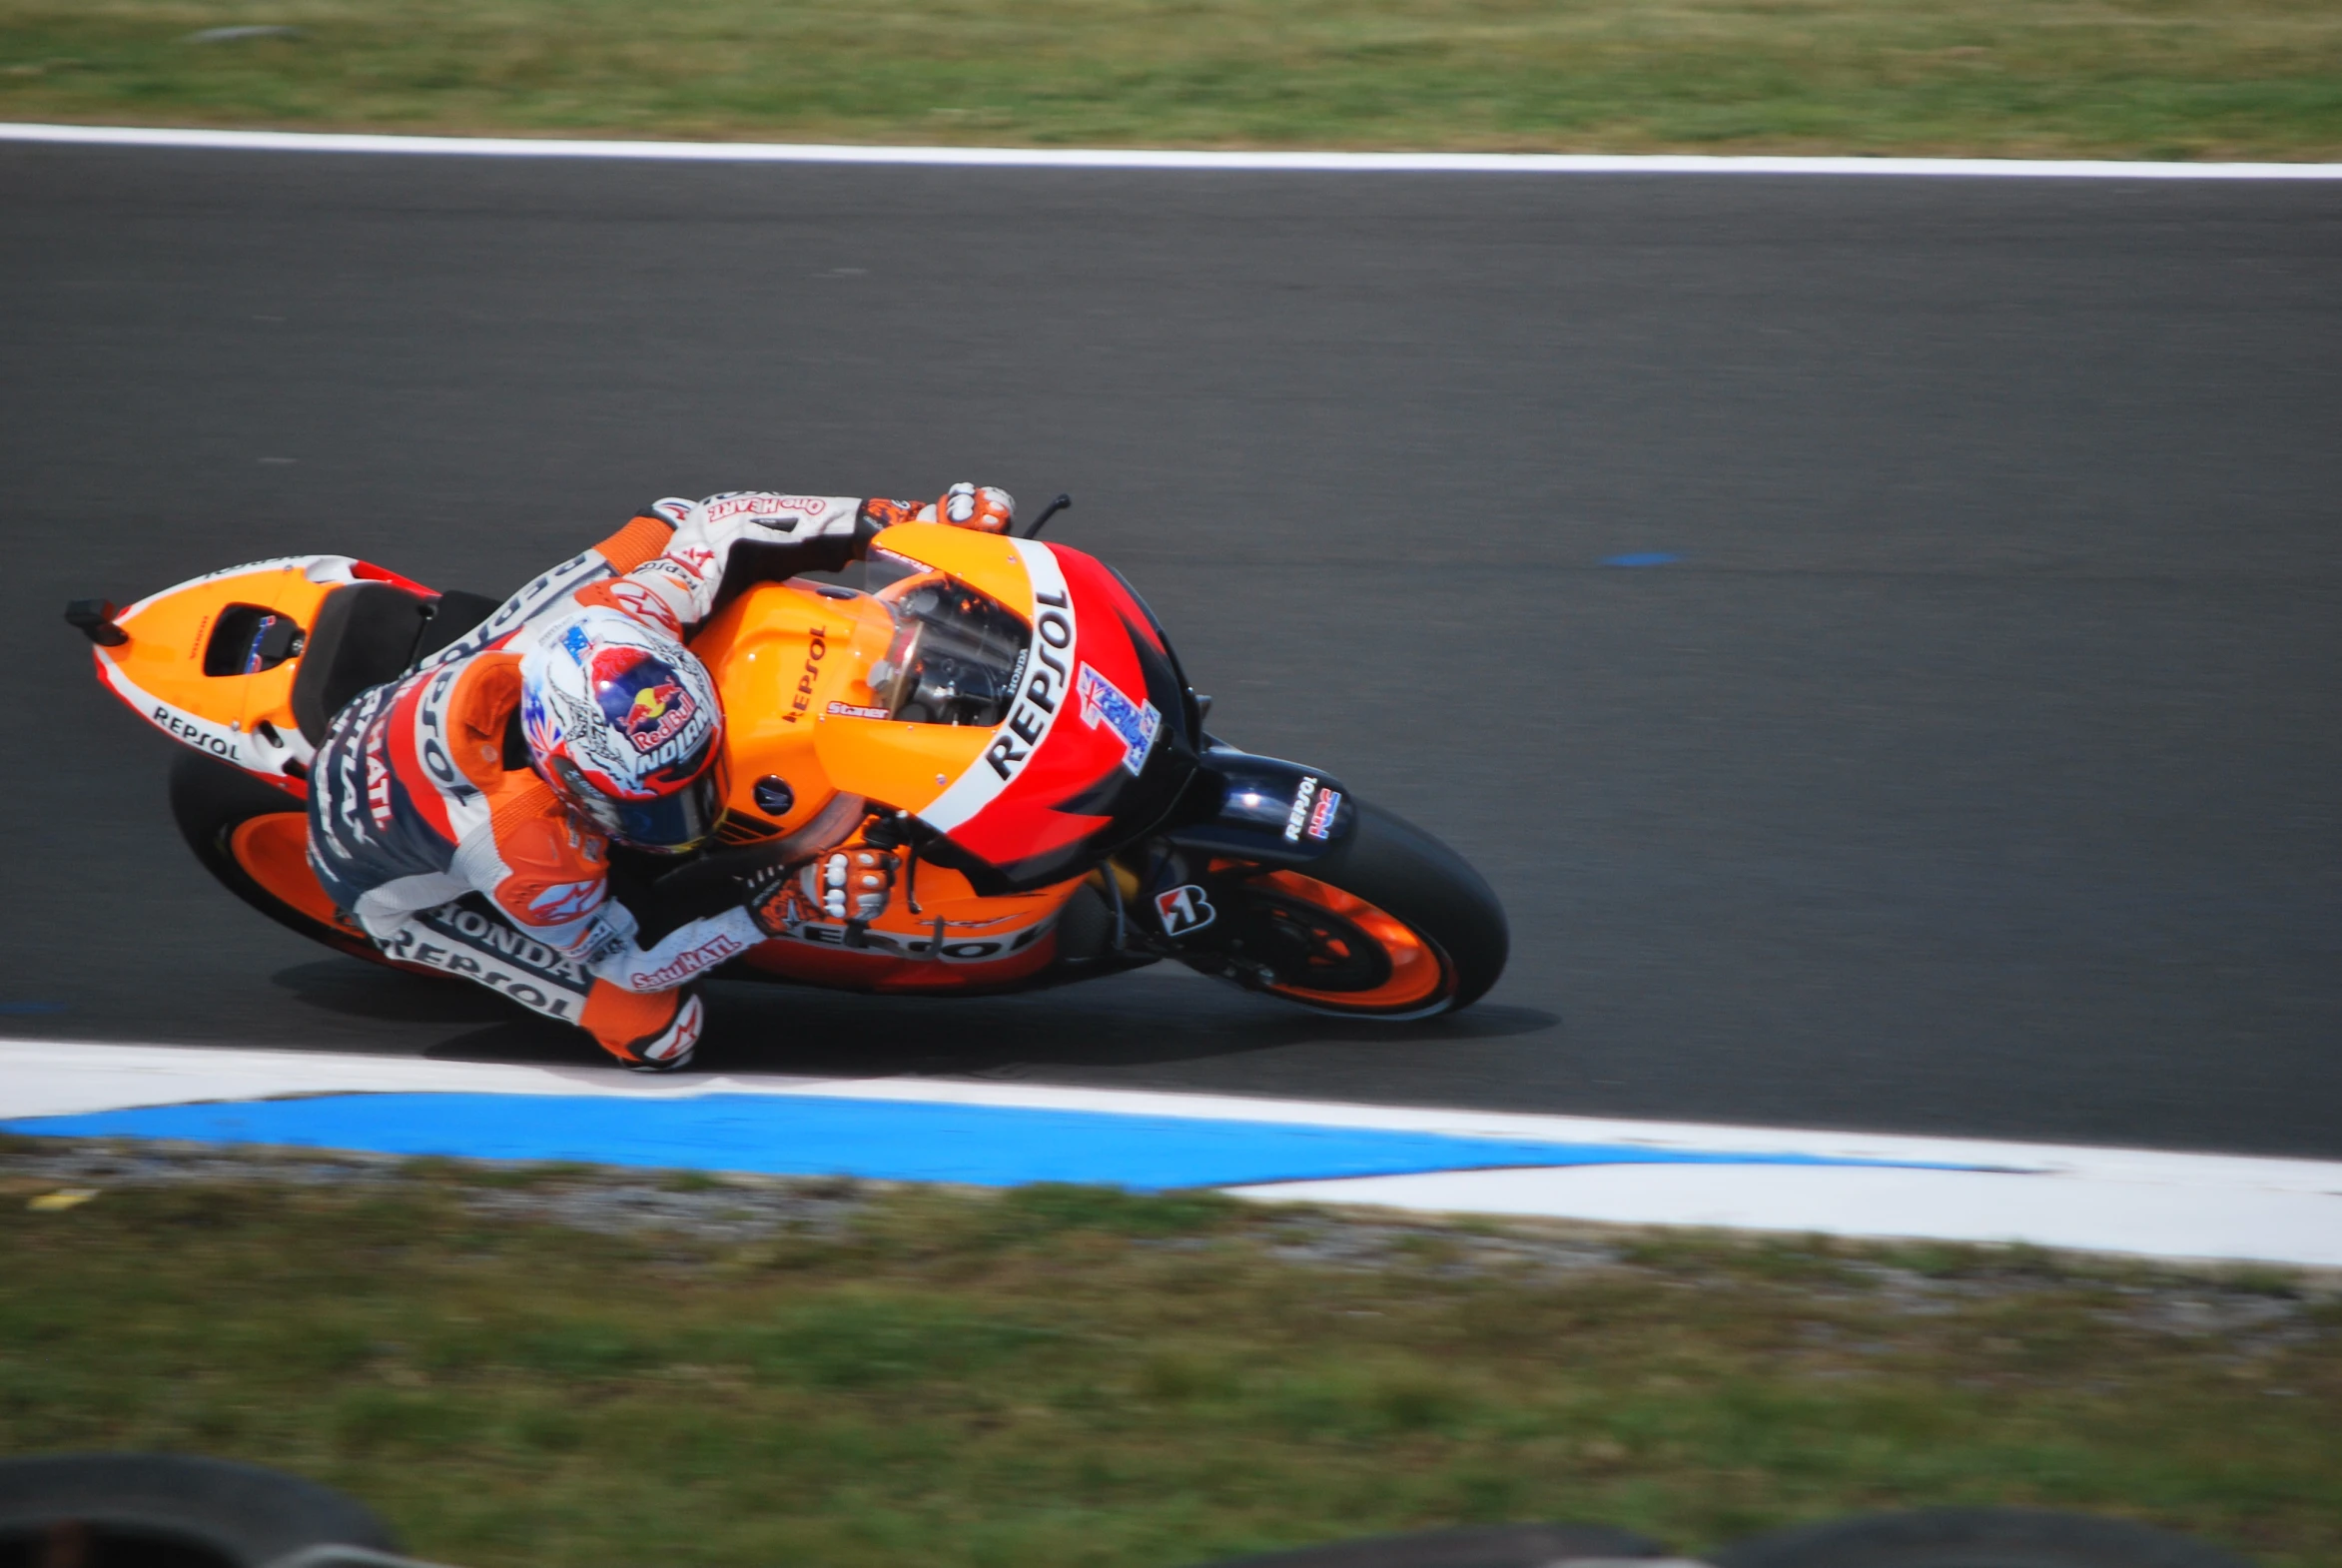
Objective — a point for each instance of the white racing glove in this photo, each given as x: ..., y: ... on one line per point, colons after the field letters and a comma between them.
x: 852, y: 884
x: 983, y: 508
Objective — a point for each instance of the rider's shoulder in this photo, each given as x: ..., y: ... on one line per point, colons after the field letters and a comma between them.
x: 537, y: 835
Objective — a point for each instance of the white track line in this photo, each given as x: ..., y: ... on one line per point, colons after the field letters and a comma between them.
x: 1153, y: 157
x: 2144, y: 1202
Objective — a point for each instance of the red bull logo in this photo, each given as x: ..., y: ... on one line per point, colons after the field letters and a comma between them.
x: 651, y: 705
x: 642, y: 697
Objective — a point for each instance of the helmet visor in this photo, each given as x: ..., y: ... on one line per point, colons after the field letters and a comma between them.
x: 669, y: 825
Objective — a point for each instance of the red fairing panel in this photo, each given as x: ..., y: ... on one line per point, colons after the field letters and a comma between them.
x: 1081, y: 729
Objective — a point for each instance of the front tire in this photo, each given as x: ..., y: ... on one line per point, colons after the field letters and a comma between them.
x: 255, y: 838
x: 1389, y: 924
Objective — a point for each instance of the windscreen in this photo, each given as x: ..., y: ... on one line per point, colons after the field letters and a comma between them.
x: 956, y: 655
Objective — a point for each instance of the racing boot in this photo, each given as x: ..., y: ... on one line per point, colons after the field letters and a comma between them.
x: 648, y: 1030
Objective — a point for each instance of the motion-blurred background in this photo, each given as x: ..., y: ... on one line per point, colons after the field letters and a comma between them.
x: 1880, y: 635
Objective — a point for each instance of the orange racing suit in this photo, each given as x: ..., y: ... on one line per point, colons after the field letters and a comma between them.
x: 428, y: 826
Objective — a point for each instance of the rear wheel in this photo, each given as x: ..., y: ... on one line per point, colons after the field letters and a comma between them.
x: 255, y: 838
x: 1391, y: 924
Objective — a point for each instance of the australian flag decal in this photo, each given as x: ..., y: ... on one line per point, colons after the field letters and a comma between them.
x: 1133, y: 723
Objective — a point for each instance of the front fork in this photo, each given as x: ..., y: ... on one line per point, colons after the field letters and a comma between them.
x: 1179, y: 903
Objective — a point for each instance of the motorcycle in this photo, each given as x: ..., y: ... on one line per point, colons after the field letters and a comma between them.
x: 1005, y: 714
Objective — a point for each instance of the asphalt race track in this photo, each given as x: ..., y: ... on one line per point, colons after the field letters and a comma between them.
x: 1971, y: 766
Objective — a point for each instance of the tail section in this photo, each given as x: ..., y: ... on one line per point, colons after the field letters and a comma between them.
x: 232, y: 662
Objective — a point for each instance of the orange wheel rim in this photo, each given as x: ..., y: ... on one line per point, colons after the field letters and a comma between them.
x: 1418, y: 974
x: 274, y: 852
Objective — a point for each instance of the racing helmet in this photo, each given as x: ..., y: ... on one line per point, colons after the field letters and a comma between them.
x: 624, y: 722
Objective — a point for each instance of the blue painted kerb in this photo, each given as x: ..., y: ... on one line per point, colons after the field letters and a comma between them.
x: 984, y: 1146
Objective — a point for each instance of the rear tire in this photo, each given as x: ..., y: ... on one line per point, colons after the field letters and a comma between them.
x: 221, y: 808
x: 1322, y: 947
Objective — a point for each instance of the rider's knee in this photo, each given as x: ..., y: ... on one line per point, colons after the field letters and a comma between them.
x: 654, y: 1030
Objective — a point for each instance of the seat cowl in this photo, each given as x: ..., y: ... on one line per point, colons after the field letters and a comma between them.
x: 366, y: 635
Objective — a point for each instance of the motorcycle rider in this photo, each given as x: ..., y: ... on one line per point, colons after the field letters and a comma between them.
x: 462, y: 814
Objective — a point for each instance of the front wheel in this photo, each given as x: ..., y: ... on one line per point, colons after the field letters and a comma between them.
x: 1390, y: 924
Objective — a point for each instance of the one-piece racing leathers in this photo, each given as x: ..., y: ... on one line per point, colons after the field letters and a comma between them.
x: 429, y: 828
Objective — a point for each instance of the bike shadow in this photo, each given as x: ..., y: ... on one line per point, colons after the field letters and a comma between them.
x: 1147, y: 1017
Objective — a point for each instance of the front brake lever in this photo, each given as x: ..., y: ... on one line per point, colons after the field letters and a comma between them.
x: 1047, y: 513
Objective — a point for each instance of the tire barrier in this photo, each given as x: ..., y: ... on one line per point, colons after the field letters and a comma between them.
x: 1932, y: 1538
x: 1483, y: 1546
x: 178, y: 1511
x: 1973, y: 1538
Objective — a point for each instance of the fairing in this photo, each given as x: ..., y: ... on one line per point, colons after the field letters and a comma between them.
x: 1090, y: 741
x: 1097, y: 745
x: 1259, y: 808
x: 211, y: 662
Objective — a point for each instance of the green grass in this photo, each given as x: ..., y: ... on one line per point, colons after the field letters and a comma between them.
x: 1073, y: 1377
x: 2119, y: 78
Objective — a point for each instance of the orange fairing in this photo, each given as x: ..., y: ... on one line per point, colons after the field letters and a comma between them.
x: 985, y: 942
x: 796, y: 663
x: 242, y: 711
x: 841, y: 970
x: 804, y: 731
x: 987, y: 562
x: 274, y: 852
x: 793, y: 662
